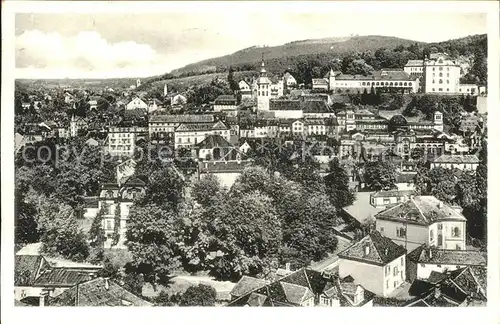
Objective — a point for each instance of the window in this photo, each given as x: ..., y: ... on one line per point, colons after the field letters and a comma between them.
x: 395, y: 272
x: 394, y: 284
x: 109, y: 225
x: 440, y: 226
x: 382, y: 230
x: 440, y: 74
x: 458, y: 247
x: 440, y: 81
x: 402, y: 261
x: 401, y: 232
x: 386, y: 201
x: 387, y: 284
x: 387, y: 270
x: 455, y: 232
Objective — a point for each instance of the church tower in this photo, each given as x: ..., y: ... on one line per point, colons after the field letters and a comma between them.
x: 263, y: 88
x: 165, y: 90
x: 438, y: 121
x: 138, y: 83
x: 331, y: 80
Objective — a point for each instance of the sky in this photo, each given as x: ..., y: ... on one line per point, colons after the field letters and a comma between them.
x: 60, y: 45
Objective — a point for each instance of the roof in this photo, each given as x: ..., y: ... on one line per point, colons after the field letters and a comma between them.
x: 423, y: 210
x: 181, y: 119
x: 381, y: 250
x: 95, y: 293
x: 225, y: 98
x: 429, y: 255
x: 385, y: 75
x: 315, y: 106
x: 451, y: 288
x: 246, y: 285
x: 184, y: 127
x: 415, y: 63
x: 212, y: 141
x: 286, y: 104
x: 320, y: 81
x: 26, y: 268
x: 393, y: 193
x: 61, y: 277
x: 223, y: 166
x: 361, y: 210
x: 290, y: 290
x: 456, y: 159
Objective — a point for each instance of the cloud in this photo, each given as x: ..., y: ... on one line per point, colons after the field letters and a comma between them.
x: 86, y: 53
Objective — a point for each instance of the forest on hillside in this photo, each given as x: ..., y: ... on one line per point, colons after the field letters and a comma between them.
x: 355, y: 59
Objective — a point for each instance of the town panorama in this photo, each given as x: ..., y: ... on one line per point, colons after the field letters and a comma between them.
x: 334, y: 179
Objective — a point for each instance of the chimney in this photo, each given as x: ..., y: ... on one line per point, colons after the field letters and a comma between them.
x: 367, y: 249
x: 43, y: 294
x: 437, y: 292
x: 430, y: 253
x: 106, y: 283
x: 440, y: 205
x: 287, y: 266
x: 386, y: 251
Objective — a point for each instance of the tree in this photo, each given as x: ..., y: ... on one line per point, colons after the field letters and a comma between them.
x: 337, y: 185
x: 165, y: 187
x: 233, y: 85
x: 247, y: 233
x: 25, y: 222
x: 206, y: 190
x: 96, y: 233
x: 62, y: 237
x: 117, y: 225
x: 200, y: 295
x: 380, y: 175
x: 152, y: 241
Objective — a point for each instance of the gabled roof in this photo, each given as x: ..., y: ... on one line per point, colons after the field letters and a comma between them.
x: 134, y: 182
x: 393, y: 193
x: 212, y: 141
x: 181, y: 119
x: 296, y: 294
x: 61, y: 277
x: 432, y: 255
x: 381, y: 250
x: 246, y: 285
x: 456, y: 159
x: 201, y: 127
x: 423, y: 210
x: 97, y: 293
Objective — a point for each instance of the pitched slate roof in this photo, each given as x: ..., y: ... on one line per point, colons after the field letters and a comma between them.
x: 454, y: 257
x: 383, y: 75
x: 181, y: 119
x: 315, y: 106
x: 212, y: 141
x: 415, y: 63
x: 95, y: 293
x: 381, y: 250
x: 61, y: 277
x: 26, y: 269
x: 393, y: 193
x: 191, y: 127
x: 246, y: 285
x: 290, y: 290
x: 457, y: 159
x: 285, y: 104
x: 423, y: 210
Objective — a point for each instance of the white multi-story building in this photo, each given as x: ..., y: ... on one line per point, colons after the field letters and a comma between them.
x: 136, y: 103
x: 162, y: 127
x: 375, y: 262
x: 423, y: 220
x: 188, y: 135
x: 121, y: 140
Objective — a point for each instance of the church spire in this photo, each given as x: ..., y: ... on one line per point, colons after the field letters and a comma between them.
x: 262, y: 66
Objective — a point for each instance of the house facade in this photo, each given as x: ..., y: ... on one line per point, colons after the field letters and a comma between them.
x: 136, y: 103
x: 461, y: 162
x: 423, y: 220
x: 384, y: 198
x: 188, y: 135
x: 375, y: 262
